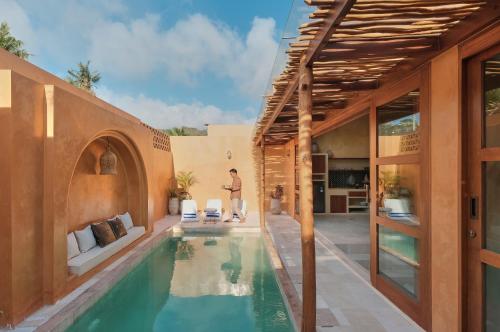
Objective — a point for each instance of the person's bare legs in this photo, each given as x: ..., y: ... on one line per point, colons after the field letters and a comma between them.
x: 235, y: 208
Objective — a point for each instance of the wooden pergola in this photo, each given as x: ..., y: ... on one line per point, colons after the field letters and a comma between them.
x: 347, y: 50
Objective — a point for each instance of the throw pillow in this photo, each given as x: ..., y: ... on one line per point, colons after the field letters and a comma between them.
x: 85, y: 239
x: 73, y: 250
x: 127, y: 220
x: 118, y: 227
x: 103, y: 234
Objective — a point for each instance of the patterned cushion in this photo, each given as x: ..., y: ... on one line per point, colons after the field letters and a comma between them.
x: 118, y: 227
x: 103, y: 233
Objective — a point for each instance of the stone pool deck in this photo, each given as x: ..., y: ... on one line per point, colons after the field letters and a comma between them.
x: 346, y: 301
x: 251, y: 224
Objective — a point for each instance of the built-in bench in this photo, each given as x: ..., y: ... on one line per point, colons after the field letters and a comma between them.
x: 86, y: 261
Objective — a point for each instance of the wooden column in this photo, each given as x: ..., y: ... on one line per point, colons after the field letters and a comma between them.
x: 306, y: 198
x: 263, y: 184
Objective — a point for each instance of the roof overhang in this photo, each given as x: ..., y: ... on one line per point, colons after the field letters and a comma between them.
x: 358, y: 46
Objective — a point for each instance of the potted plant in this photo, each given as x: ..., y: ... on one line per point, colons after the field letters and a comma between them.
x: 276, y: 196
x: 395, y: 198
x: 185, y: 180
x: 173, y: 202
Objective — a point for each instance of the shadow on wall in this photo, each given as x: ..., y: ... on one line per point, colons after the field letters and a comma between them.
x: 93, y: 196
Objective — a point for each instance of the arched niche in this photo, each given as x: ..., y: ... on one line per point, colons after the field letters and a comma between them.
x: 94, y: 197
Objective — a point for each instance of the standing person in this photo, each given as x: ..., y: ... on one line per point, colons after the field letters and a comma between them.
x: 235, y: 196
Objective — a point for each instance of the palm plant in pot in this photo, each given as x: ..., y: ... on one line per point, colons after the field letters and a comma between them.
x: 396, y: 199
x: 185, y: 180
x: 276, y: 196
x: 173, y: 202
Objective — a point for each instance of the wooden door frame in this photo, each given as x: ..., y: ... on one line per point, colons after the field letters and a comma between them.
x: 473, y: 253
x: 419, y: 310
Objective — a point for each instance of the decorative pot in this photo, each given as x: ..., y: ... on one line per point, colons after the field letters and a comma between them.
x: 275, y: 206
x: 173, y: 206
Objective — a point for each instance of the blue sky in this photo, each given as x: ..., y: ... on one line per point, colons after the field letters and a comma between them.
x: 170, y: 62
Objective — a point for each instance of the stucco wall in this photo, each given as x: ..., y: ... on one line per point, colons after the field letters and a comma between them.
x: 348, y: 141
x: 446, y: 159
x: 280, y: 170
x: 102, y: 196
x: 44, y: 130
x: 27, y: 191
x: 206, y: 157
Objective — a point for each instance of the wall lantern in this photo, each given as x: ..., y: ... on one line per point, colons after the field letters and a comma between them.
x: 108, y: 162
x: 229, y: 154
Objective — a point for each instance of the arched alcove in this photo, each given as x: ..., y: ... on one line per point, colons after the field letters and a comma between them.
x: 95, y: 197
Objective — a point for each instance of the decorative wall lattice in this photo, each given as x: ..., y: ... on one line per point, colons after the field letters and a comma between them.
x: 161, y: 140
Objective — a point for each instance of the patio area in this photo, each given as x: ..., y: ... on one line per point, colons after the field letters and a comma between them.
x: 345, y: 299
x: 349, y: 233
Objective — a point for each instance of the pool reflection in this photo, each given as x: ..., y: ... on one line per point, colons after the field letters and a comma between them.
x: 201, y: 283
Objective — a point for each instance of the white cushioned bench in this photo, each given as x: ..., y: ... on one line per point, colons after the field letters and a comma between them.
x: 84, y: 262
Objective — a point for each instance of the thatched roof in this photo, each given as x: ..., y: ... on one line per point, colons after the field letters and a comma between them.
x: 356, y: 46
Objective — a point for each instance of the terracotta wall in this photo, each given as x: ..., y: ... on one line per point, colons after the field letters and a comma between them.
x: 93, y: 196
x: 348, y: 141
x: 446, y: 171
x: 207, y: 158
x: 5, y: 198
x: 22, y: 160
x: 280, y: 170
x: 161, y: 180
x: 45, y: 127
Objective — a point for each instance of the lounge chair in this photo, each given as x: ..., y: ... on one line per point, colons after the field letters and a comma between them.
x: 213, y: 211
x: 189, y: 211
x: 243, y: 208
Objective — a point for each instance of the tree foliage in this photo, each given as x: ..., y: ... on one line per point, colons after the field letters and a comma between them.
x: 83, y: 77
x: 10, y: 43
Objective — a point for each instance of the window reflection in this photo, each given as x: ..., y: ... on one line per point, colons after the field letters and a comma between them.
x: 398, y: 259
x: 492, y: 101
x: 492, y: 298
x: 398, y: 126
x: 492, y: 208
x: 398, y: 192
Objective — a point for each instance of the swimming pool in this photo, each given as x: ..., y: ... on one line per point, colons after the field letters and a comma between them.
x: 200, y: 283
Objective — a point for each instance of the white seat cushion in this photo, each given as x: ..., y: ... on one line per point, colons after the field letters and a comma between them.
x: 87, y: 261
x: 86, y: 239
x: 73, y: 249
x: 189, y: 211
x: 126, y: 219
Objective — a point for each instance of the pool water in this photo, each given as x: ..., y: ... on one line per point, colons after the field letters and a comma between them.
x: 201, y: 283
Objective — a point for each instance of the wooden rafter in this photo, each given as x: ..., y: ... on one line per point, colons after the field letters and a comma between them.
x: 357, y: 46
x: 338, y: 9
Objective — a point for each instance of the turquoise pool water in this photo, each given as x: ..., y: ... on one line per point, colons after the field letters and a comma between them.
x: 201, y: 283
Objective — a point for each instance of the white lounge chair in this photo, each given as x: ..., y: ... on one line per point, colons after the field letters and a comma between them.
x: 243, y: 208
x: 189, y: 211
x: 213, y: 211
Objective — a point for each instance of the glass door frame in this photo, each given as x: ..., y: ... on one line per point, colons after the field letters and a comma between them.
x: 478, y: 154
x: 419, y: 308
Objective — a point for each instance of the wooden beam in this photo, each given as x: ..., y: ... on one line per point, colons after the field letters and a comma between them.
x: 294, y: 118
x: 290, y: 90
x: 337, y: 12
x: 306, y: 198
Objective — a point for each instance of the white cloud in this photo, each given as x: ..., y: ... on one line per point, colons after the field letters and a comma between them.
x: 19, y: 23
x: 192, y: 46
x: 160, y: 114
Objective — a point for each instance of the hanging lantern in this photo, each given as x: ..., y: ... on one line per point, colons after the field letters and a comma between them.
x: 108, y: 162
